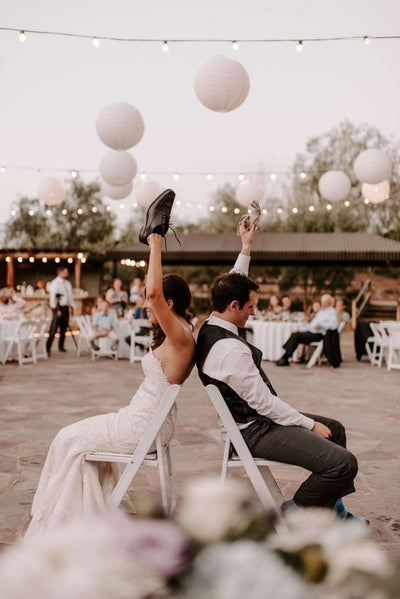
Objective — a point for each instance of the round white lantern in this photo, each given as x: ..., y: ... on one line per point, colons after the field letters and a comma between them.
x: 334, y: 186
x: 120, y: 126
x: 247, y: 191
x: 376, y: 193
x: 117, y: 168
x: 221, y: 84
x: 147, y: 191
x: 372, y: 166
x: 52, y: 191
x: 117, y: 193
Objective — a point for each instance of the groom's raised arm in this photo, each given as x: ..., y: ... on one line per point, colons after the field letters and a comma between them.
x: 247, y: 235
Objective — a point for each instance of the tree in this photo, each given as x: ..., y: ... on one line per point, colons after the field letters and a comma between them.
x: 81, y: 221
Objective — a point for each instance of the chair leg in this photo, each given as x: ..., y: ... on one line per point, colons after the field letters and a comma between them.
x: 160, y: 458
x: 224, y: 469
x: 20, y: 356
x: 171, y: 481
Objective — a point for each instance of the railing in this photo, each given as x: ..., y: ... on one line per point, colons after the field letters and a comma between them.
x: 358, y: 304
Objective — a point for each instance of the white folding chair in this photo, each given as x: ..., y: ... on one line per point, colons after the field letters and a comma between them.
x: 264, y: 484
x: 381, y: 343
x: 141, y: 456
x: 393, y: 357
x: 319, y: 348
x: 42, y: 326
x: 23, y: 337
x: 143, y: 341
x: 85, y: 332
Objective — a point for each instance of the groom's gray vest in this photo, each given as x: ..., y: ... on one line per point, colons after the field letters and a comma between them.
x: 240, y: 409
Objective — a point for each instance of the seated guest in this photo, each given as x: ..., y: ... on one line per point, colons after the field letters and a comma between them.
x: 11, y: 307
x: 140, y: 311
x: 117, y: 297
x: 273, y: 307
x: 341, y: 311
x: 136, y: 290
x: 325, y: 319
x: 312, y: 310
x: 97, y: 305
x: 286, y: 307
x: 103, y: 326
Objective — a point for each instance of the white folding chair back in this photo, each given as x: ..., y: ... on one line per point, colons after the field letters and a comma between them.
x: 85, y: 332
x: 393, y: 354
x: 23, y: 338
x: 42, y: 326
x: 141, y: 455
x: 264, y: 485
x: 380, y: 343
x: 143, y: 341
x: 319, y: 348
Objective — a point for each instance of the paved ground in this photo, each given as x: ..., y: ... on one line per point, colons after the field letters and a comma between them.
x: 37, y: 400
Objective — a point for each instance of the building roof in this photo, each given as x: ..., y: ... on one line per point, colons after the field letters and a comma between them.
x: 274, y: 249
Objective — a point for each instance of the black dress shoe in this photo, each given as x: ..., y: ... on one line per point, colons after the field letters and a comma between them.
x: 62, y: 349
x: 282, y: 362
x: 157, y: 216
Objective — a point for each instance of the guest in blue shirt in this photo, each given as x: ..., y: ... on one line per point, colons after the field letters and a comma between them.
x: 103, y: 326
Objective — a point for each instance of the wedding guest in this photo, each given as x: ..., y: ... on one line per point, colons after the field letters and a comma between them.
x: 11, y: 307
x: 62, y: 305
x: 96, y: 306
x: 312, y: 310
x: 117, y: 297
x: 340, y: 307
x: 273, y: 306
x: 103, y: 326
x: 140, y: 311
x: 136, y: 290
x: 325, y: 319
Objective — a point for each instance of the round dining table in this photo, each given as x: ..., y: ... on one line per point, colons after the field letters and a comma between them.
x: 269, y: 336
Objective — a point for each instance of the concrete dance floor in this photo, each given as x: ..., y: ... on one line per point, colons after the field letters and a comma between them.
x: 36, y: 400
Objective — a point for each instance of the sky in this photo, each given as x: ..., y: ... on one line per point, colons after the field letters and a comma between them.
x: 52, y: 88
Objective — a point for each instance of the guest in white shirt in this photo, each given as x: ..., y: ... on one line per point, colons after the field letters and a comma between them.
x: 62, y: 305
x: 103, y: 326
x: 325, y: 319
x: 11, y: 307
x: 272, y: 429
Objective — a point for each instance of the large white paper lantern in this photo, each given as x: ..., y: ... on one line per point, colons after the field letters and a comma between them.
x: 376, y: 193
x: 52, y: 191
x: 120, y: 126
x: 147, y: 191
x: 221, y: 84
x: 117, y: 193
x: 334, y: 186
x: 117, y: 168
x: 247, y: 191
x: 372, y: 166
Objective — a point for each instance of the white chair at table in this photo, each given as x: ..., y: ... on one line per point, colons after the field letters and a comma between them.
x: 139, y: 340
x: 393, y: 356
x: 23, y: 338
x: 85, y: 333
x: 143, y: 456
x: 42, y: 326
x: 380, y: 343
x: 264, y: 484
x: 319, y: 348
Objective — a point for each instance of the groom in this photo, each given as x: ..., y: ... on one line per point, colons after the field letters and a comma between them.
x: 272, y: 429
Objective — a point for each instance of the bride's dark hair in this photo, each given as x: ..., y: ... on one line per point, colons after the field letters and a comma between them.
x: 176, y: 289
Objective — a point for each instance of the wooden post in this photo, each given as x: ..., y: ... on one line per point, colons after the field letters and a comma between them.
x: 10, y: 273
x: 77, y: 274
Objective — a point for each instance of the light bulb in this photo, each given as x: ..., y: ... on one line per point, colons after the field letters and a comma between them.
x: 22, y: 36
x: 2, y: 169
x: 176, y: 177
x: 13, y: 213
x: 83, y: 260
x: 31, y: 212
x: 311, y: 208
x: 57, y: 260
x: 64, y: 212
x: 211, y: 208
x: 264, y: 211
x: 366, y: 201
x: 279, y: 210
x: 178, y: 202
x: 240, y: 177
x: 237, y: 210
x: 96, y: 42
x: 48, y: 212
x: 366, y: 40
x: 123, y: 262
x: 299, y: 46
x: 303, y: 175
x: 108, y: 208
x: 80, y: 211
x: 165, y: 47
x: 8, y: 259
x: 329, y: 206
x: 224, y: 209
x: 122, y: 206
x: 273, y: 176
x: 209, y: 177
x: 31, y: 259
x: 294, y: 210
x: 94, y: 209
x: 44, y: 259
x: 74, y: 174
x: 142, y: 176
x: 70, y: 260
x: 347, y: 203
x: 235, y: 45
x: 20, y: 259
x: 142, y: 263
x: 134, y: 205
x: 80, y: 255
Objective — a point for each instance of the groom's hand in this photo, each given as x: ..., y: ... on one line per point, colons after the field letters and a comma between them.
x: 155, y: 241
x: 321, y: 430
x: 246, y: 234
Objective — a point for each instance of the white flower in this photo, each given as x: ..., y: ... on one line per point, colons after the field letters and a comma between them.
x: 211, y: 512
x: 302, y: 528
x: 240, y: 570
x: 363, y: 556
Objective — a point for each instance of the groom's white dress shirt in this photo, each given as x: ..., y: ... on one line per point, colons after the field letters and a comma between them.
x: 64, y: 288
x: 231, y: 361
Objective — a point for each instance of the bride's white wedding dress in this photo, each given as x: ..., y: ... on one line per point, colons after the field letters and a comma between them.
x: 69, y: 486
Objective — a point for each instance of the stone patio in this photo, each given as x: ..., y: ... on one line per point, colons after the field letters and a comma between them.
x: 36, y: 400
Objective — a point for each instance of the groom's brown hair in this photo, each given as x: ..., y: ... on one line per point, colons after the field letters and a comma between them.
x: 229, y: 287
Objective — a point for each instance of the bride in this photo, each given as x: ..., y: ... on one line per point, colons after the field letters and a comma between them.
x: 69, y: 486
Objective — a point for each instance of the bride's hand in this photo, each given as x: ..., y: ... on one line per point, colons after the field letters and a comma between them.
x: 246, y: 234
x: 155, y: 241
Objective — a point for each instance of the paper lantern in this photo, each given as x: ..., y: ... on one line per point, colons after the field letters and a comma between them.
x: 247, y: 191
x: 334, y: 186
x: 117, y: 168
x: 372, y: 166
x: 120, y: 126
x: 52, y: 191
x: 117, y: 193
x: 147, y: 191
x: 221, y: 84
x: 376, y: 193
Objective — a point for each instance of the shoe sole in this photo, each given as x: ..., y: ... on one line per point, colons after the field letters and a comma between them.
x: 164, y: 194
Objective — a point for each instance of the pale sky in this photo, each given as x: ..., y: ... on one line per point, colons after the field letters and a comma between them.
x: 52, y: 88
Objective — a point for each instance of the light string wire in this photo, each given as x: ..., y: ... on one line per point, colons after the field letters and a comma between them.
x: 337, y: 38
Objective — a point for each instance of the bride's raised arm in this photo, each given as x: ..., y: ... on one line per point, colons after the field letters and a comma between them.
x: 162, y: 308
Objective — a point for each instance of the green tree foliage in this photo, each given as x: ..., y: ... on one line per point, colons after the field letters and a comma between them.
x: 81, y: 221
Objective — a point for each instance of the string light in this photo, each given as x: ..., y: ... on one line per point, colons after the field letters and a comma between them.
x: 303, y: 175
x: 142, y: 263
x: 83, y: 260
x: 347, y: 203
x: 209, y: 177
x: 64, y: 211
x: 240, y: 177
x: 96, y: 42
x: 295, y: 210
x: 94, y: 209
x: 57, y: 260
x: 31, y: 212
x: 121, y: 206
x: 70, y: 260
x: 178, y: 203
x: 48, y: 212
x: 8, y: 259
x: 366, y: 201
x: 44, y: 259
x: 134, y: 205
x: 142, y: 176
x: 108, y: 208
x: 80, y: 255
x: 235, y: 45
x: 329, y: 206
x: 299, y: 46
x: 13, y: 213
x: 175, y: 177
x: 22, y: 36
x: 273, y: 176
x: 165, y: 47
x: 264, y: 211
x: 31, y: 259
x: 2, y: 169
x: 20, y: 259
x: 211, y: 208
x: 311, y: 208
x: 224, y: 209
x: 80, y: 211
x: 279, y: 210
x: 367, y: 39
x: 236, y: 210
x: 74, y: 174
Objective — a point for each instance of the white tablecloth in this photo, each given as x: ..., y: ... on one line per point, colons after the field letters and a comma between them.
x: 270, y: 336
